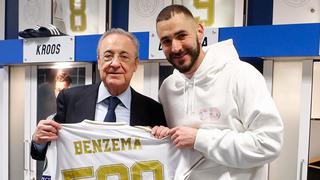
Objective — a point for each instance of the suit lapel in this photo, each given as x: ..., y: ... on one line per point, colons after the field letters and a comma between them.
x: 135, y: 109
x: 87, y: 103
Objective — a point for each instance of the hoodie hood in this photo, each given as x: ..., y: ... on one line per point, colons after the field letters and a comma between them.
x: 217, y: 56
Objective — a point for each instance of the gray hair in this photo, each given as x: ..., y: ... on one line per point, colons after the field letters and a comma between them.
x: 122, y: 32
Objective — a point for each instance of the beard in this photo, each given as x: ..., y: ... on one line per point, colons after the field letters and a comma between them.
x: 179, y: 65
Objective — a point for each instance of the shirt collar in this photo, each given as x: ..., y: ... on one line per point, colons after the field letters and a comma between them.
x: 125, y: 97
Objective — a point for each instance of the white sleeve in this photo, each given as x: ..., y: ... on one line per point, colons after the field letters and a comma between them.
x: 50, y: 165
x: 261, y: 140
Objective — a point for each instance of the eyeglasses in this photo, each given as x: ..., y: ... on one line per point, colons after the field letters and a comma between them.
x: 122, y: 57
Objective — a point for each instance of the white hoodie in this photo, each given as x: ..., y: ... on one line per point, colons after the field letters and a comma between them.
x: 240, y: 129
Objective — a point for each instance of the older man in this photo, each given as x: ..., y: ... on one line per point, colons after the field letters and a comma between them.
x: 112, y: 100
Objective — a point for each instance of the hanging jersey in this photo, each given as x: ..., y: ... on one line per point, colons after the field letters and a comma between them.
x: 212, y: 13
x: 77, y: 17
x: 97, y: 150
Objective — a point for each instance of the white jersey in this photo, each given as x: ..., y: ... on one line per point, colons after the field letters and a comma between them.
x: 77, y: 17
x: 95, y: 150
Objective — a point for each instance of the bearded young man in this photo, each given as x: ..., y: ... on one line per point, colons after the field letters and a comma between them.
x: 215, y: 103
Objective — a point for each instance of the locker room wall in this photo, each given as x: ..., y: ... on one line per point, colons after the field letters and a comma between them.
x: 314, y: 150
x: 286, y: 90
x: 4, y: 141
x: 137, y: 79
x: 16, y: 122
x: 315, y: 113
x: 305, y: 11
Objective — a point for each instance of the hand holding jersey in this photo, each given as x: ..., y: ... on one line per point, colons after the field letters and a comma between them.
x: 181, y: 136
x: 160, y: 131
x: 46, y: 131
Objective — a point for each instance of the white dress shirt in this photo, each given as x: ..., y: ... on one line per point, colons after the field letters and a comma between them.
x: 122, y: 110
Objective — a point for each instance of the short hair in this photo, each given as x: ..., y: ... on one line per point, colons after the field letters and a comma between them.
x: 63, y: 77
x: 171, y: 10
x: 122, y: 32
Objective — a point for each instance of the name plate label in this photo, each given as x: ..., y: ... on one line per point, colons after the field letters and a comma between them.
x: 48, y: 49
x: 211, y: 36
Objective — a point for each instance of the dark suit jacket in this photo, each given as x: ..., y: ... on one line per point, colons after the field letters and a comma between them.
x: 79, y: 103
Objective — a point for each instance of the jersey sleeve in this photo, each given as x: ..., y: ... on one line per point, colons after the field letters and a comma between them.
x: 50, y: 164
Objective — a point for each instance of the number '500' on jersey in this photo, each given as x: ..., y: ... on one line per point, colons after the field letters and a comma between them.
x: 107, y: 151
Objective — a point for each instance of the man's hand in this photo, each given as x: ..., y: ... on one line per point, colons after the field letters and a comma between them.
x: 160, y: 131
x: 183, y: 137
x: 46, y: 130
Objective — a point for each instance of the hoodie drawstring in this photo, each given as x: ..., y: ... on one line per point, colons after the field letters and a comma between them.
x: 188, y: 99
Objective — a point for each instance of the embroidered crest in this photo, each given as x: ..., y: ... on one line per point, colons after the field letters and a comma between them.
x: 211, y: 114
x: 296, y: 3
x: 146, y: 8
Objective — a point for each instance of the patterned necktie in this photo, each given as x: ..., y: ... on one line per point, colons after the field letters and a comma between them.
x: 112, y: 104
